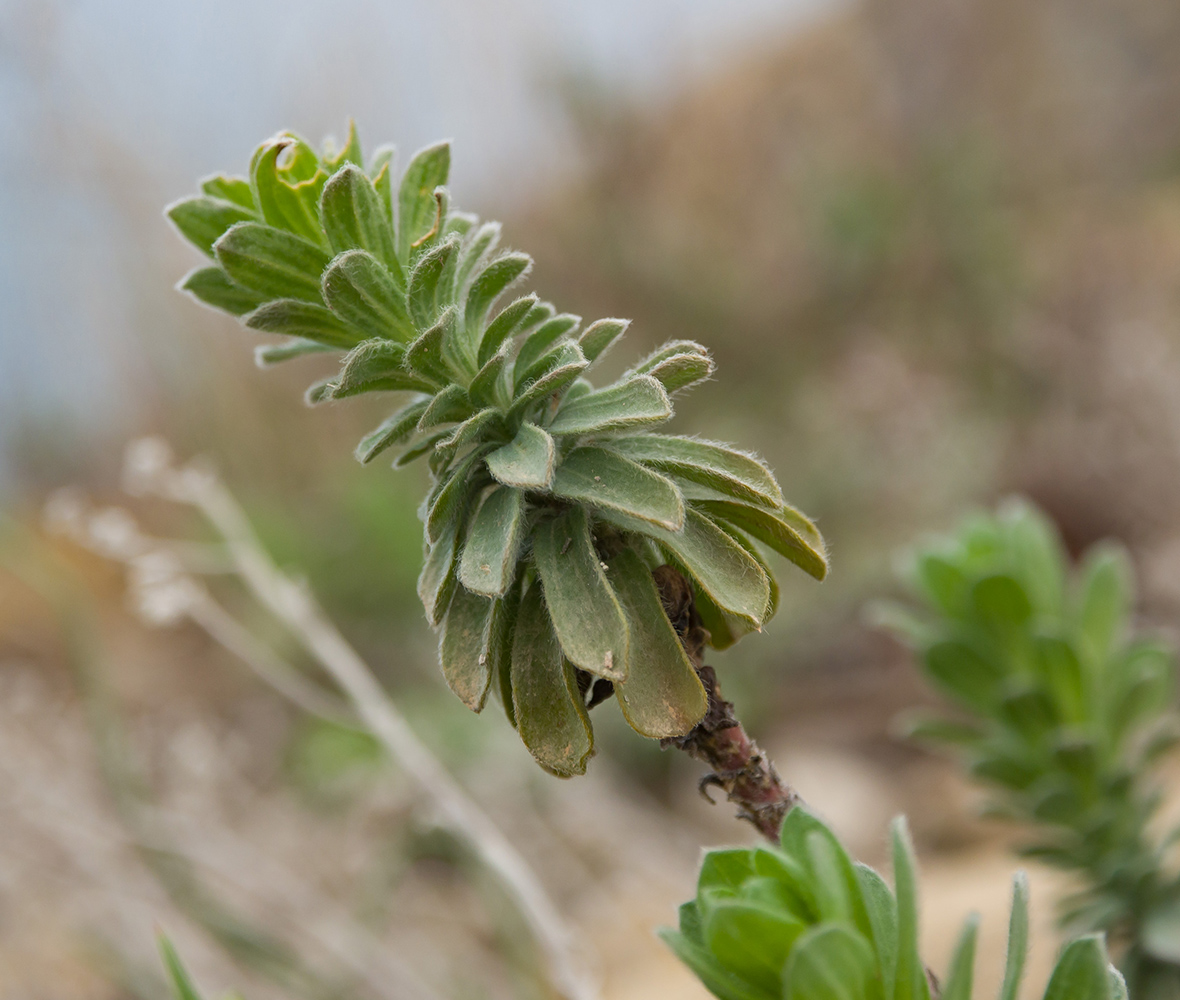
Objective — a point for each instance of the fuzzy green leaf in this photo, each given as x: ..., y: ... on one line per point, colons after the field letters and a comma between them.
x: 632, y: 403
x: 203, y: 220
x: 565, y: 365
x: 607, y: 480
x: 771, y: 529
x: 550, y: 716
x: 289, y: 196
x: 719, y: 980
x: 537, y: 343
x: 483, y: 387
x: 501, y: 632
x: 526, y: 461
x: 586, y: 614
x: 359, y: 289
x: 395, y: 429
x: 211, y: 286
x: 377, y: 366
x: 447, y: 407
x: 426, y: 354
x: 1105, y: 599
x: 349, y: 153
x: 600, y: 336
x: 881, y: 908
x: 354, y: 218
x: 1081, y: 972
x: 436, y: 582
x: 1017, y: 939
x: 306, y: 320
x: 662, y: 695
x: 717, y: 466
x: 426, y: 290
x: 233, y: 189
x: 959, y: 982
x: 503, y: 326
x: 490, y: 284
x: 682, y: 371
x: 267, y: 355
x: 428, y: 170
x: 462, y: 648
x: 484, y: 425
x: 751, y: 941
x: 272, y: 262
x: 829, y: 962
x: 488, y: 565
x: 452, y: 496
x: 476, y: 247
x: 911, y: 981
x: 723, y: 570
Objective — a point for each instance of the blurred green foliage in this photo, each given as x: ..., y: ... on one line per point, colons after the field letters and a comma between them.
x: 1062, y: 711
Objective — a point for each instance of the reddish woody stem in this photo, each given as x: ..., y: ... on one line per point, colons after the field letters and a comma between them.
x: 737, y: 764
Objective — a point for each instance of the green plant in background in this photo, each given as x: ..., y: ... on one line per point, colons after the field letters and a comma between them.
x: 552, y: 500
x: 1062, y: 710
x: 801, y: 921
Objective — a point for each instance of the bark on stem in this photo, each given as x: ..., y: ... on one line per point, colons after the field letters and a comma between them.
x: 736, y: 763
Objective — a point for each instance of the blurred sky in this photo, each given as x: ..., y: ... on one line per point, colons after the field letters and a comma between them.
x: 104, y: 103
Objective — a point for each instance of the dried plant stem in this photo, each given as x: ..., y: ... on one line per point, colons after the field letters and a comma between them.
x: 736, y: 763
x: 292, y: 603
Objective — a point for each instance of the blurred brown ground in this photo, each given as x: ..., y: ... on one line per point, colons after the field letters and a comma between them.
x: 935, y: 248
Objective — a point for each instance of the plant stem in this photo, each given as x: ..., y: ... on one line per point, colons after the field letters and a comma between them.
x: 736, y: 763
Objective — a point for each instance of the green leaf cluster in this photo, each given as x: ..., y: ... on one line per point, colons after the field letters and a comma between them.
x: 551, y: 499
x: 801, y: 921
x: 1061, y: 708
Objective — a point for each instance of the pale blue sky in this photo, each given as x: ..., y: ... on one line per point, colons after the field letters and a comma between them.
x: 173, y: 90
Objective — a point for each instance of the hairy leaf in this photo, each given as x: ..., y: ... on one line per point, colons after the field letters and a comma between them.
x: 662, y: 695
x: 203, y: 220
x: 772, y: 530
x: 503, y: 326
x: 633, y: 403
x: 462, y: 647
x: 606, y: 480
x: 490, y: 283
x: 718, y: 466
x: 359, y: 289
x: 274, y: 263
x: 395, y: 429
x: 550, y: 716
x: 586, y: 614
x: 488, y: 564
x: 211, y: 285
x: 526, y: 461
x: 600, y: 336
x: 354, y: 218
x: 305, y: 320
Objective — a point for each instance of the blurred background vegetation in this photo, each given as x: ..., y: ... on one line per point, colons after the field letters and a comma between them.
x: 934, y: 247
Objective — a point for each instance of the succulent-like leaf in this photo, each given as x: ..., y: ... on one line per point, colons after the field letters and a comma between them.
x: 606, y: 480
x: 586, y: 614
x: 550, y: 716
x: 722, y: 569
x: 305, y: 320
x: 212, y: 287
x: 395, y: 429
x: 526, y: 461
x: 203, y: 220
x: 634, y: 402
x: 1081, y: 972
x: 491, y: 283
x: 272, y: 262
x: 537, y: 343
x: 829, y: 962
x: 771, y: 529
x: 600, y: 336
x: 359, y: 289
x: 428, y: 170
x: 488, y: 564
x: 377, y: 366
x: 462, y: 647
x: 662, y: 695
x: 503, y: 326
x: 732, y: 472
x: 354, y: 218
x: 267, y: 355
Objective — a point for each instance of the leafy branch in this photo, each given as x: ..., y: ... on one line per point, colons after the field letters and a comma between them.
x: 552, y: 501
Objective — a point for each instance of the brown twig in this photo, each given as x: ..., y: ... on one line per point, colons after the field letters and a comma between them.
x: 737, y: 764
